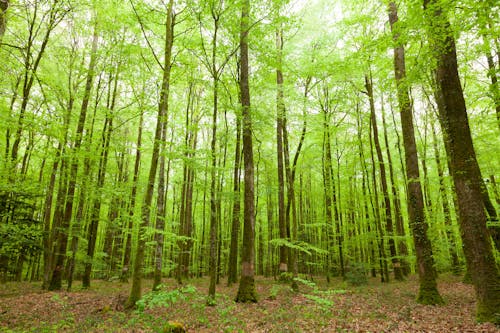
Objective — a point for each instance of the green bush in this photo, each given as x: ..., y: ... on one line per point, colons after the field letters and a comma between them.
x: 357, y: 275
x: 161, y: 298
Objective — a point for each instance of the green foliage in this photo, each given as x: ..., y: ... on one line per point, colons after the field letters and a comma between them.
x: 273, y: 293
x: 357, y: 275
x: 161, y: 298
x: 285, y: 277
x: 323, y: 302
x: 300, y: 246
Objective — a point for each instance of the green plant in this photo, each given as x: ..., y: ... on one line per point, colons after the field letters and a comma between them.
x: 160, y: 298
x: 357, y: 275
x: 273, y: 293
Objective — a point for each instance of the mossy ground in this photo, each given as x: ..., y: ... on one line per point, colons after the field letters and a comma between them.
x: 374, y: 307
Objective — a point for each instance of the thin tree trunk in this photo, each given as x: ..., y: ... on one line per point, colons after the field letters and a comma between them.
x: 398, y: 275
x: 235, y: 226
x: 62, y: 238
x: 280, y: 110
x: 130, y: 216
x: 455, y: 263
x: 135, y: 292
x: 160, y: 212
x: 212, y: 264
x: 403, y: 251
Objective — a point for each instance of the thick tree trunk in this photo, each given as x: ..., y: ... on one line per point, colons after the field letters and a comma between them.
x: 246, y: 289
x: 428, y: 293
x: 465, y: 169
x: 4, y: 5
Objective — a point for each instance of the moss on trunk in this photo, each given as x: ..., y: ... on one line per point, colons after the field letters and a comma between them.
x: 246, y: 290
x: 429, y: 295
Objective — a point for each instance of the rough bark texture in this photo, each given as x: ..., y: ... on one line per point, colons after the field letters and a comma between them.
x: 465, y: 169
x: 246, y: 289
x: 4, y: 5
x: 428, y: 293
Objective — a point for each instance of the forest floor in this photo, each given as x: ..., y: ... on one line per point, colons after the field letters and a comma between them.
x: 317, y: 307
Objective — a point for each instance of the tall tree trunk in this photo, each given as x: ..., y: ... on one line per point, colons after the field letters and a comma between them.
x: 4, y: 5
x: 428, y: 293
x: 185, y: 211
x: 160, y: 213
x: 133, y: 194
x: 450, y: 235
x: 246, y: 288
x: 47, y: 240
x: 235, y: 225
x: 327, y: 189
x: 280, y: 110
x: 398, y: 275
x: 212, y: 264
x: 403, y: 252
x: 465, y: 169
x: 62, y: 237
x: 135, y: 292
x: 101, y: 175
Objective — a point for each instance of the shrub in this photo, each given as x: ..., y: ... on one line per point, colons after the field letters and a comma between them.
x: 356, y: 275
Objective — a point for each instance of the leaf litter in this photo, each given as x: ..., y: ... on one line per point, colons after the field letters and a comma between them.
x: 377, y: 307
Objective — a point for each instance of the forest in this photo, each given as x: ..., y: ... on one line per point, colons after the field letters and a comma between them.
x: 249, y: 165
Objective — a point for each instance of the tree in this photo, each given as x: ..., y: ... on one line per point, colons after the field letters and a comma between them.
x: 464, y: 167
x: 135, y: 292
x: 246, y: 288
x: 428, y: 293
x: 4, y: 5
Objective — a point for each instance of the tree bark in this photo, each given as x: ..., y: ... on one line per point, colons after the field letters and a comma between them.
x: 465, y: 169
x: 401, y: 244
x: 280, y: 110
x: 235, y: 226
x: 62, y: 236
x: 4, y: 5
x: 246, y: 288
x: 428, y: 293
x: 135, y: 292
x: 378, y: 216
